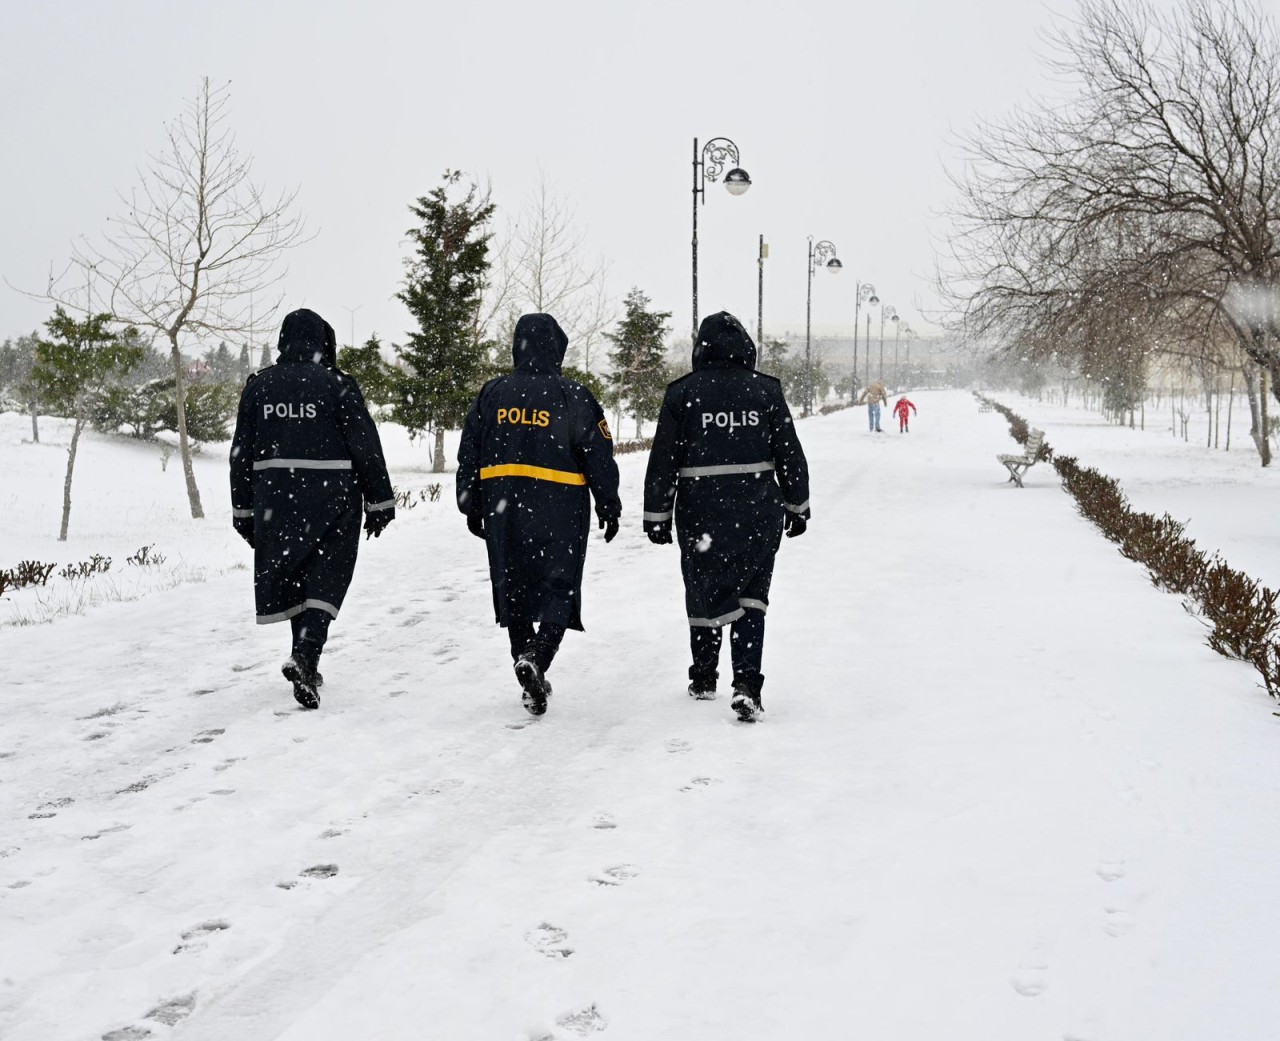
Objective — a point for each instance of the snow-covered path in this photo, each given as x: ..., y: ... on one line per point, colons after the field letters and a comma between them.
x: 1003, y: 791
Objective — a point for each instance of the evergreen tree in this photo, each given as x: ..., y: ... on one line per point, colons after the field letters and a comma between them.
x: 445, y: 360
x: 376, y: 376
x: 264, y: 360
x: 640, y: 373
x: 74, y: 367
x: 17, y: 361
x: 244, y: 366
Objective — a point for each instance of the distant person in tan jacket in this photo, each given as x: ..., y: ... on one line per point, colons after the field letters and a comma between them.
x: 874, y: 397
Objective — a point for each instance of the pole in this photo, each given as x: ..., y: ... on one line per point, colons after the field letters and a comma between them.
x: 695, y: 241
x: 880, y: 370
x: 867, y: 367
x: 857, y: 307
x: 808, y: 312
x: 760, y: 299
x: 897, y: 335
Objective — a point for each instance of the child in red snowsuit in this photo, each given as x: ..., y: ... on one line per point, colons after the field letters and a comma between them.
x: 900, y: 408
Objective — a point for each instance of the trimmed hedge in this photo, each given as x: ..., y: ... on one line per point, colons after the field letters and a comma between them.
x: 1241, y: 614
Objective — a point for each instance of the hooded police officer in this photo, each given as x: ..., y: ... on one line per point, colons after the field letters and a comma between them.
x: 727, y: 465
x: 305, y: 457
x: 533, y: 444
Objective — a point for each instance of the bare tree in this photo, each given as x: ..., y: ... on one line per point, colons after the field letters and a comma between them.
x: 196, y: 240
x: 539, y: 266
x: 1151, y: 194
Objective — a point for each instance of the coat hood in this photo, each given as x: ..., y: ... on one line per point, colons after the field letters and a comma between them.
x: 723, y: 343
x: 305, y: 336
x: 539, y: 344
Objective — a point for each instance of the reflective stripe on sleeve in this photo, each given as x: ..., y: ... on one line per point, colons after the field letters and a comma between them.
x: 725, y: 469
x: 759, y: 605
x: 540, y: 473
x: 658, y: 517
x: 799, y: 509
x: 242, y: 513
x: 302, y: 464
x: 380, y: 506
x: 297, y: 609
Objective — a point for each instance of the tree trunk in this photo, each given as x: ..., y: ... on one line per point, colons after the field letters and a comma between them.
x: 437, y: 456
x: 1264, y: 449
x: 35, y: 426
x: 1231, y: 400
x: 66, y: 484
x: 184, y: 445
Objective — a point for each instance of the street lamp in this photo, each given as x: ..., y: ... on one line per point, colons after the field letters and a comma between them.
x: 909, y: 333
x: 899, y: 328
x: 707, y: 165
x: 817, y: 252
x: 864, y: 293
x: 888, y: 311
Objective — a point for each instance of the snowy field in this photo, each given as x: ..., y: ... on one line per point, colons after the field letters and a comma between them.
x: 1003, y: 789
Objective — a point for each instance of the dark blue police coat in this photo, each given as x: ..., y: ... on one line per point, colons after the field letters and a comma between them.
x: 532, y: 446
x: 304, y: 456
x: 727, y: 465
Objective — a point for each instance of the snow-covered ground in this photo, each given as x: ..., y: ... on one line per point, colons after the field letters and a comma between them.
x: 1003, y: 790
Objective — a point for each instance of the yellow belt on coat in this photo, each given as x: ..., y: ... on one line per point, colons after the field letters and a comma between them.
x: 540, y: 473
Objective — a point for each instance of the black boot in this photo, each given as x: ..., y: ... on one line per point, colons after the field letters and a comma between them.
x: 746, y: 697
x: 306, y: 681
x: 533, y: 683
x: 702, y: 683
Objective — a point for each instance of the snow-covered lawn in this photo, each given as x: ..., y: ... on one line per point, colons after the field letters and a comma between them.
x: 1003, y: 790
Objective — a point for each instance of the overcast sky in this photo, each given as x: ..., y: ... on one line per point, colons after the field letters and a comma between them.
x: 846, y: 115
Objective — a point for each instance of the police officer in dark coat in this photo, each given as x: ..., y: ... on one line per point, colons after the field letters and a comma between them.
x: 304, y: 459
x: 533, y: 444
x: 727, y: 465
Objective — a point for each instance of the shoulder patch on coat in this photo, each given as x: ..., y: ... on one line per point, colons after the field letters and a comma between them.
x: 604, y: 429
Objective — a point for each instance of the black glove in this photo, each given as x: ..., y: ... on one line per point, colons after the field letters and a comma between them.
x: 796, y: 525
x: 610, y: 528
x: 661, y: 535
x: 244, y: 528
x: 376, y: 520
x: 475, y: 524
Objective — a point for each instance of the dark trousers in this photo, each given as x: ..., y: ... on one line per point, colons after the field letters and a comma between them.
x: 310, y: 630
x: 746, y: 646
x: 540, y: 645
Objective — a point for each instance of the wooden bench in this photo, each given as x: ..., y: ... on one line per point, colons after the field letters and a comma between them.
x: 1017, y: 465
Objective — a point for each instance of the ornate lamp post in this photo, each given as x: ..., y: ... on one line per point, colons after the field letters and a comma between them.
x: 817, y: 253
x: 707, y: 164
x: 864, y: 293
x: 897, y: 335
x: 888, y: 311
x: 909, y: 333
x: 764, y: 255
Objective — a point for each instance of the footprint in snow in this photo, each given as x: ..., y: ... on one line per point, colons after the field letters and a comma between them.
x: 1030, y: 980
x: 110, y: 710
x: 9, y: 851
x: 583, y: 1021
x: 603, y: 821
x: 397, y: 693
x: 206, y: 736
x: 97, y: 735
x: 1111, y: 870
x: 319, y: 871
x: 202, y: 692
x: 174, y: 1011
x: 50, y: 809
x: 127, y: 1034
x: 518, y: 724
x: 549, y: 940
x: 246, y: 668
x: 227, y: 764
x: 700, y: 782
x: 193, y: 938
x: 332, y: 833
x: 105, y: 831
x: 678, y: 744
x: 398, y: 609
x: 615, y: 876
x: 1117, y: 922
